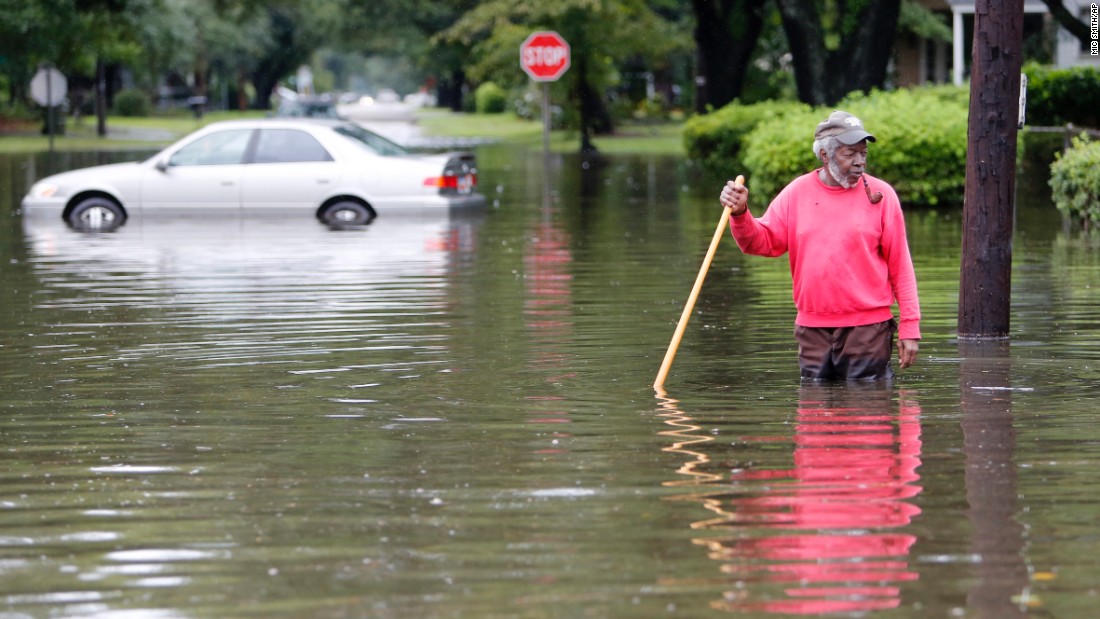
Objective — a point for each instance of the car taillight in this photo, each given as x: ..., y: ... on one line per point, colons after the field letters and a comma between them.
x: 443, y: 182
x: 462, y: 183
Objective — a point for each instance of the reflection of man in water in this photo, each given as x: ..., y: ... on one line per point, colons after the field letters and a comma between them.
x: 815, y: 538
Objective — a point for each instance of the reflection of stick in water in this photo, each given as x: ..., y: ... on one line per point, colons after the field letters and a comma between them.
x: 816, y: 537
x: 683, y: 433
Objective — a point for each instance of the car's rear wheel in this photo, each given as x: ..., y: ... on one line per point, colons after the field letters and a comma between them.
x: 97, y: 214
x: 347, y: 213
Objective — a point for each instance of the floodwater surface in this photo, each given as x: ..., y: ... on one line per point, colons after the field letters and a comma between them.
x: 453, y: 417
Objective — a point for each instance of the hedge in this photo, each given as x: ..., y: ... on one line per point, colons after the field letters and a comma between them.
x: 715, y: 140
x: 132, y: 102
x: 921, y: 147
x: 1075, y: 182
x: 490, y: 99
x: 1056, y: 97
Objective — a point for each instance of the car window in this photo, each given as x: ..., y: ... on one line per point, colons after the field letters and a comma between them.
x: 221, y: 148
x: 288, y: 145
x: 370, y: 140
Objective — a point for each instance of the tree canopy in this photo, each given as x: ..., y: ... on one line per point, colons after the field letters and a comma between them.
x: 705, y: 53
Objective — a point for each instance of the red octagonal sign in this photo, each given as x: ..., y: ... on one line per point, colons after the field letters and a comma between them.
x: 544, y: 56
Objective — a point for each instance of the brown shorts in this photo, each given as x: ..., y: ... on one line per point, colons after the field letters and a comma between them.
x: 846, y: 353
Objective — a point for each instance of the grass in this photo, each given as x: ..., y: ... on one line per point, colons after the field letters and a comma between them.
x: 157, y: 131
x: 123, y: 132
x: 665, y: 138
x: 506, y: 127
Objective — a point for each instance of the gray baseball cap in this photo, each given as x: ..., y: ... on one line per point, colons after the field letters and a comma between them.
x: 844, y: 127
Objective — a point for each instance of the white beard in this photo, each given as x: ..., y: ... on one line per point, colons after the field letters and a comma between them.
x: 841, y: 179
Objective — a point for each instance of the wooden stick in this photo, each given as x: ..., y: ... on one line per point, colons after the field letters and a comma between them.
x: 723, y: 223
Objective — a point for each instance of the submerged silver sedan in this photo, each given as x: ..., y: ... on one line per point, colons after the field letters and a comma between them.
x: 334, y: 171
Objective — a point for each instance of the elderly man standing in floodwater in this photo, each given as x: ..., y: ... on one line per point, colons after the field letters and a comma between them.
x: 849, y: 258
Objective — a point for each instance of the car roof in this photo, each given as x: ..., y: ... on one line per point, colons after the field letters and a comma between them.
x: 278, y: 121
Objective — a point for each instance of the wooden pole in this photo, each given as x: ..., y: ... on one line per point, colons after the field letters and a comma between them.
x: 989, y: 203
x: 670, y: 354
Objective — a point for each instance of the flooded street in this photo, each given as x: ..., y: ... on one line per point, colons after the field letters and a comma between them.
x: 453, y: 417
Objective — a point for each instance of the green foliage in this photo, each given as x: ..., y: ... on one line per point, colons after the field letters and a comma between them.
x: 490, y: 99
x: 716, y: 139
x: 1060, y: 96
x: 780, y: 149
x: 917, y: 19
x: 1075, y: 181
x: 132, y: 102
x: 601, y: 34
x: 921, y: 147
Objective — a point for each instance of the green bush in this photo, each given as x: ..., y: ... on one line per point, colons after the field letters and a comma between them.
x: 132, y: 103
x: 651, y: 109
x: 1059, y: 96
x: 1075, y: 181
x: 920, y: 148
x: 716, y: 139
x: 490, y: 99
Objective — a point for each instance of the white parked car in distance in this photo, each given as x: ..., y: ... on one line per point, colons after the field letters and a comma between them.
x: 334, y: 171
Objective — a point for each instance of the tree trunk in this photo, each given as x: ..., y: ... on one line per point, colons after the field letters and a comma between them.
x: 449, y: 91
x: 280, y: 60
x: 100, y: 98
x: 989, y: 203
x: 858, y: 62
x: 726, y: 32
x: 872, y: 49
x: 242, y: 90
x: 583, y: 94
x: 802, y: 25
x: 1070, y: 22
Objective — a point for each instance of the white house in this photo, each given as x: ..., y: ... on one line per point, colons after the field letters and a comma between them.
x: 920, y: 61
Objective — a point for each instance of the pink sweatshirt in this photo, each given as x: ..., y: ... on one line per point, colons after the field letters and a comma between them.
x: 849, y: 258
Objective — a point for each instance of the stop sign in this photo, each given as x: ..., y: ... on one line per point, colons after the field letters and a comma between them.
x: 544, y: 56
x: 49, y: 87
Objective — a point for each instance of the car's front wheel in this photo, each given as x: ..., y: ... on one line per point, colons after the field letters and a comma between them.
x: 98, y: 214
x: 347, y: 213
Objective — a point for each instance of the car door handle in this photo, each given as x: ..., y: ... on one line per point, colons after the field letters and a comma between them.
x: 228, y: 183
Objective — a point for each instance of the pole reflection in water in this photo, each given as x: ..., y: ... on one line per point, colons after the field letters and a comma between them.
x: 989, y: 442
x: 823, y: 535
x: 547, y: 310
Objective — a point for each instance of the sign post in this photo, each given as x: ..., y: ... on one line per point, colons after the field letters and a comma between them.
x: 48, y: 89
x: 545, y: 57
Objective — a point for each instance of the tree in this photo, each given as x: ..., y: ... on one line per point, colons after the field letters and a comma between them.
x: 839, y: 46
x: 387, y: 28
x: 79, y: 37
x: 1069, y: 21
x: 726, y: 32
x: 600, y: 34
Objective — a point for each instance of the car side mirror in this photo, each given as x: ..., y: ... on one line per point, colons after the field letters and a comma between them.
x: 162, y: 165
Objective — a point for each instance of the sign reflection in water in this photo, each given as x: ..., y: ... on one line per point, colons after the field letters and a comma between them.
x: 547, y: 312
x: 826, y: 534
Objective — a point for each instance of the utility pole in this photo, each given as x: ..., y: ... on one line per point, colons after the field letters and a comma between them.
x: 989, y: 206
